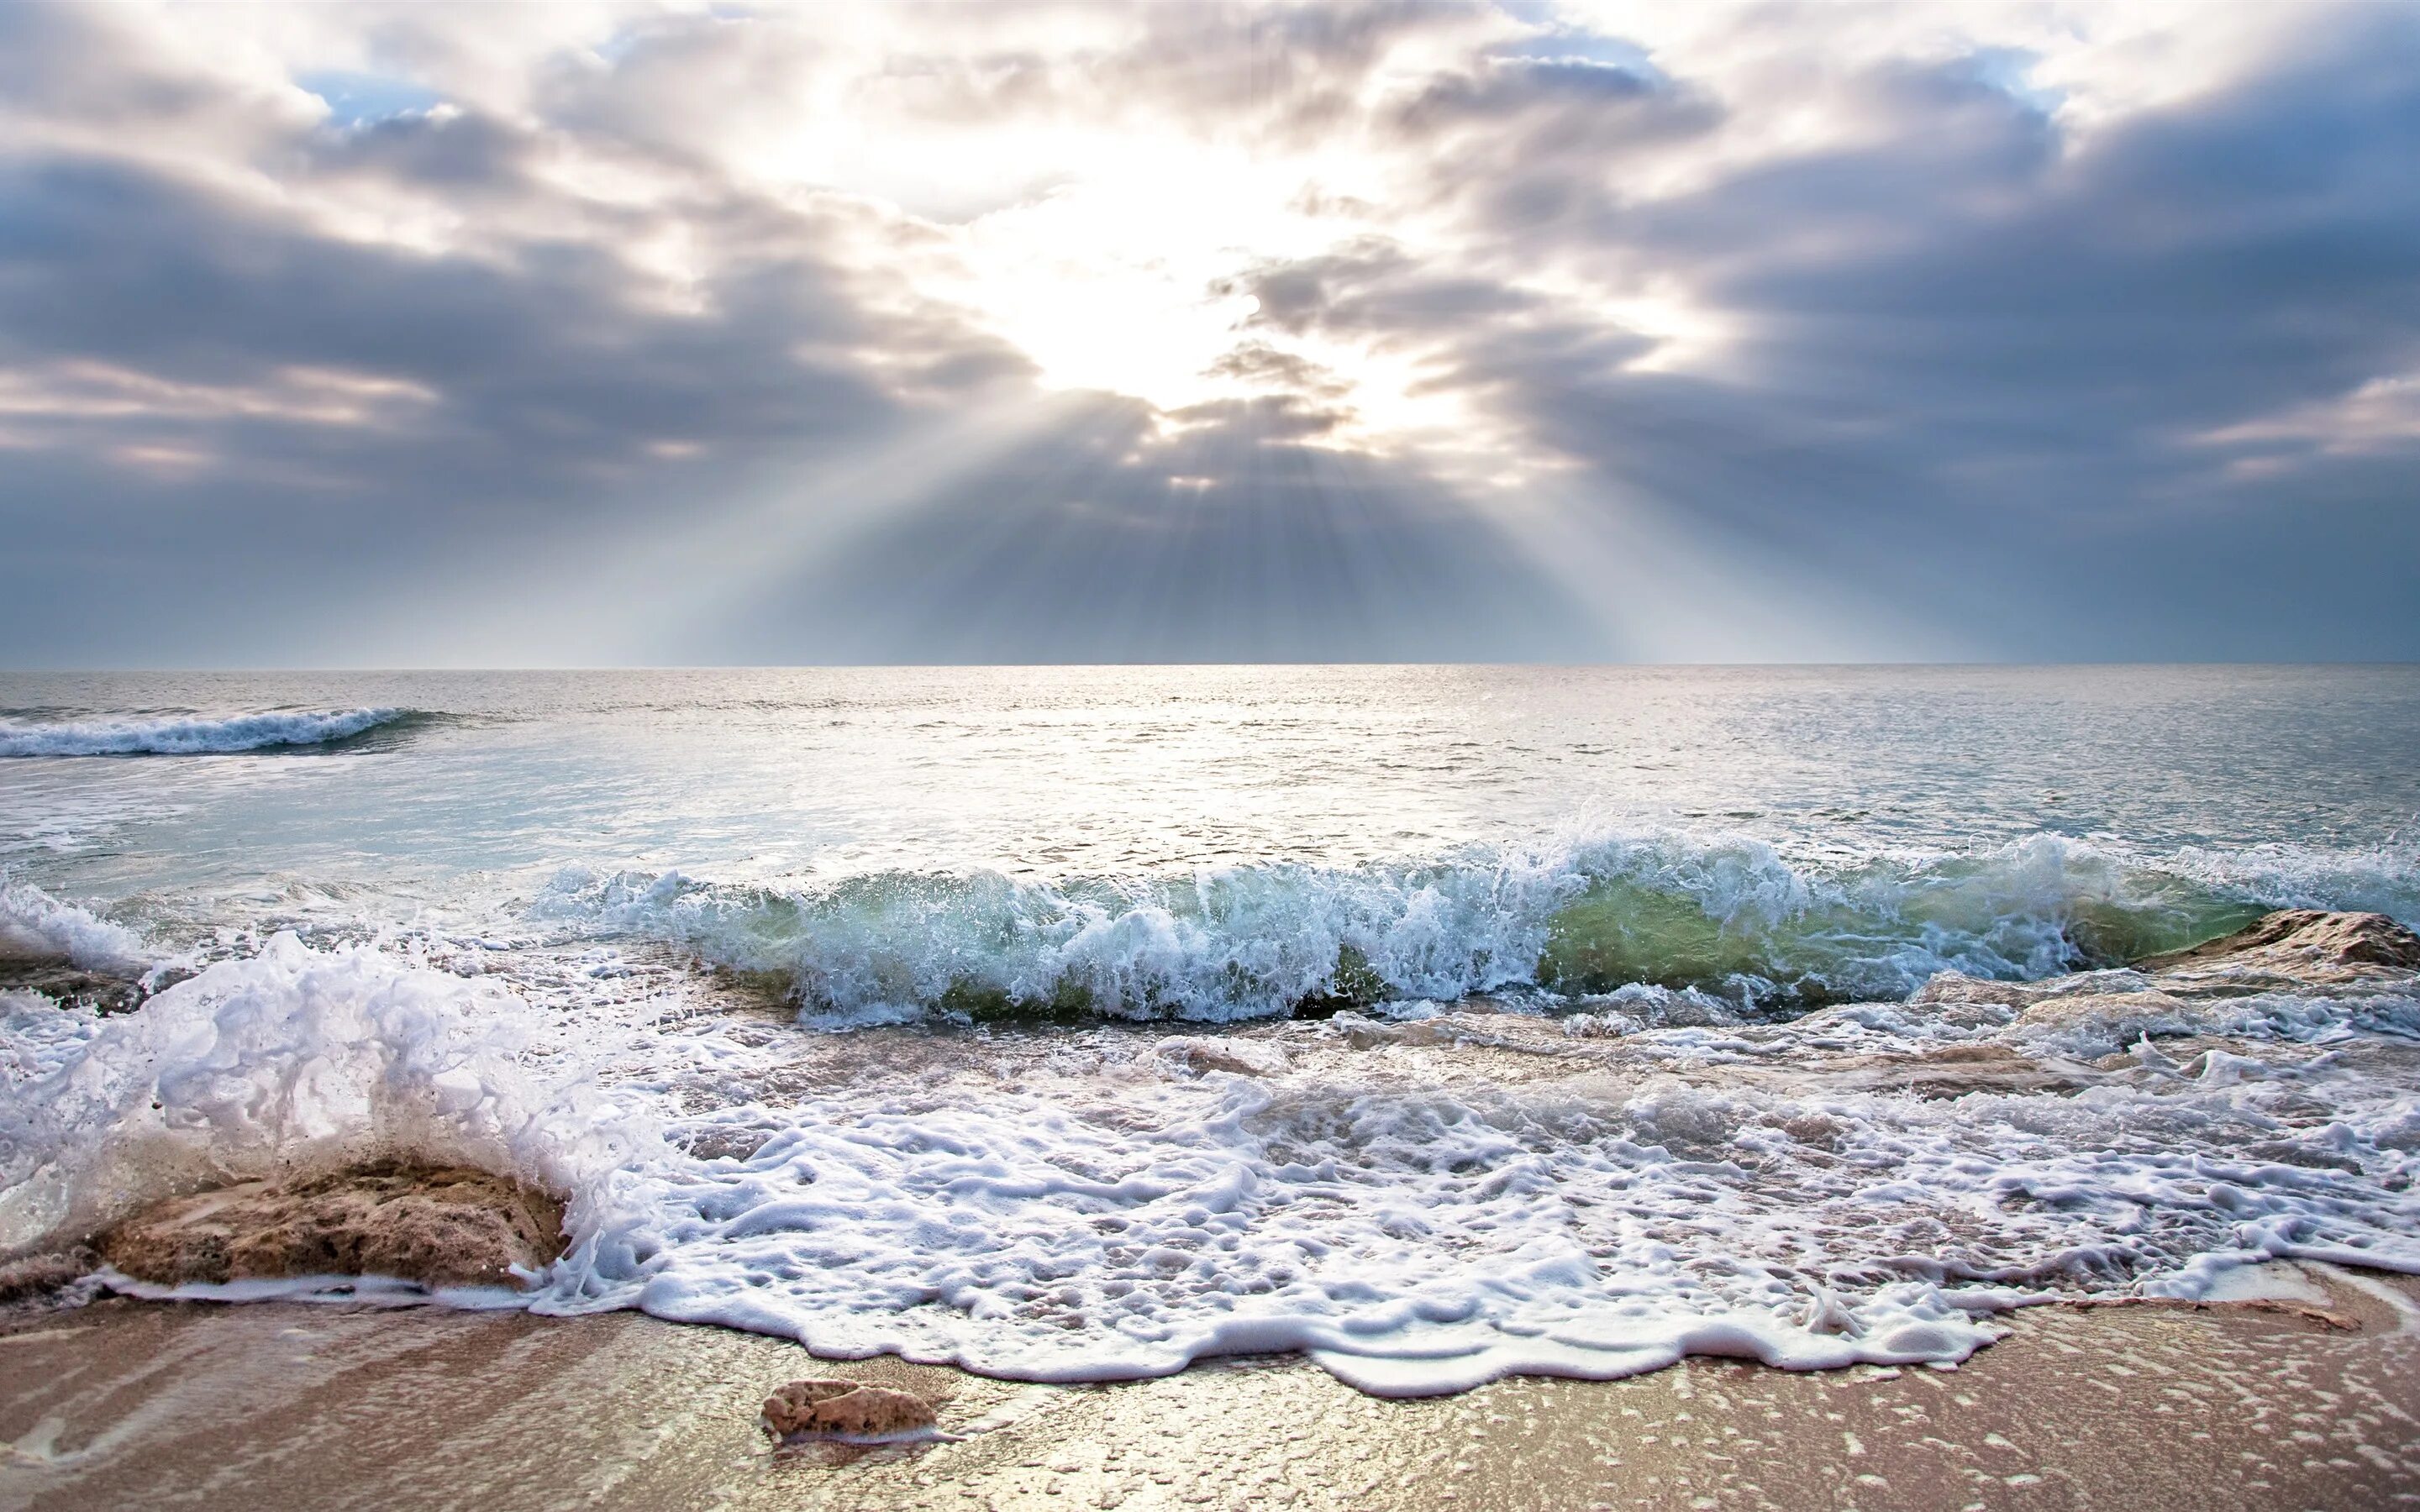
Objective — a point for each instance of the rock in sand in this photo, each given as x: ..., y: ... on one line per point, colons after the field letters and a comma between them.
x: 849, y: 1408
x: 439, y: 1226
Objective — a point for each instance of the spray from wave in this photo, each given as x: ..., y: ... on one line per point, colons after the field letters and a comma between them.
x: 293, y: 1058
x: 37, y: 927
x: 191, y: 734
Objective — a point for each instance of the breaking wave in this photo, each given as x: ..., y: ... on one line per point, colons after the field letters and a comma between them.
x: 35, y: 926
x: 1728, y: 916
x: 290, y: 1059
x: 1117, y: 1207
x: 190, y: 735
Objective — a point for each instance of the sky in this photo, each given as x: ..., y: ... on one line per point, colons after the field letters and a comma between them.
x: 607, y: 334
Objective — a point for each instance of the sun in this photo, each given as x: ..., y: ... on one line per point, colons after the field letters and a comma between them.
x: 1125, y: 280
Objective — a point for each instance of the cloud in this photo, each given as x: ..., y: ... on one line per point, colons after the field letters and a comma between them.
x: 1074, y: 333
x: 1970, y: 346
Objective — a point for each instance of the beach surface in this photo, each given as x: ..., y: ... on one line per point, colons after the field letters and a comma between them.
x: 126, y: 1404
x: 1361, y: 1055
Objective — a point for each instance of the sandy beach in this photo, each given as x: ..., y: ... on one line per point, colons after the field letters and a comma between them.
x: 2292, y: 1384
x: 125, y: 1404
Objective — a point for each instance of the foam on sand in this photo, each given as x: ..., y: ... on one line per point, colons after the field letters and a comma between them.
x: 1418, y: 1207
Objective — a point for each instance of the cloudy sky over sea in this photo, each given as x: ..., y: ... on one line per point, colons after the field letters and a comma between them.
x: 614, y: 334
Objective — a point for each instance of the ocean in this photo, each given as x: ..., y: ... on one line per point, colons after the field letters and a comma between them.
x: 1075, y: 1024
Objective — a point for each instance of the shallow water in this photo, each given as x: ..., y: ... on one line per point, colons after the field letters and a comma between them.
x: 1075, y: 1023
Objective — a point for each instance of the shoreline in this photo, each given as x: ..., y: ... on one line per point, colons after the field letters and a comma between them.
x: 128, y: 1403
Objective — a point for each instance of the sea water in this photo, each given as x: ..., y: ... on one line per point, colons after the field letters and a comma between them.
x: 1075, y: 1024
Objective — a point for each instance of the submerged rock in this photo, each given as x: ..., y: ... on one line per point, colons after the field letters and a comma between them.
x: 2305, y: 950
x: 439, y: 1226
x: 2302, y: 952
x: 2303, y: 944
x: 70, y: 986
x: 1236, y: 1057
x: 37, y: 1277
x: 1957, y: 987
x: 2122, y: 1016
x: 1954, y: 1071
x: 848, y: 1408
x: 1953, y: 988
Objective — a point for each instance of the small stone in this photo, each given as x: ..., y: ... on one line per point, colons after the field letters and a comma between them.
x: 847, y: 1408
x: 1958, y: 987
x: 1235, y: 1056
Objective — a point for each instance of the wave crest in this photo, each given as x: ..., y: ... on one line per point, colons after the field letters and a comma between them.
x: 1727, y: 916
x: 191, y: 734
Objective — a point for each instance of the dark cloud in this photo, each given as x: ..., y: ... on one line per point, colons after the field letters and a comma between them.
x: 546, y: 359
x: 87, y: 67
x: 1529, y: 142
x: 468, y: 157
x: 1297, y: 375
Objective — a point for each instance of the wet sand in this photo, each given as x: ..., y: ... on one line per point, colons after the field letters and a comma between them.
x: 125, y: 1404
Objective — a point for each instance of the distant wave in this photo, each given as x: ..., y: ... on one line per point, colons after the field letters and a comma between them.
x: 1724, y: 916
x: 191, y: 734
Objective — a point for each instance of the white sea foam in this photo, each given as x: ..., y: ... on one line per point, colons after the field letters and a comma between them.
x: 36, y: 926
x: 1410, y: 1243
x: 37, y: 1038
x: 189, y: 734
x: 1115, y: 1211
x: 1103, y: 1205
x: 2378, y: 878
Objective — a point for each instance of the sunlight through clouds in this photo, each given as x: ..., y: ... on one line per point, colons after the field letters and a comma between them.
x: 1478, y: 327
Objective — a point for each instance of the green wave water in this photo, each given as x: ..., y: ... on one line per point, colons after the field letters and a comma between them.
x: 1731, y: 918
